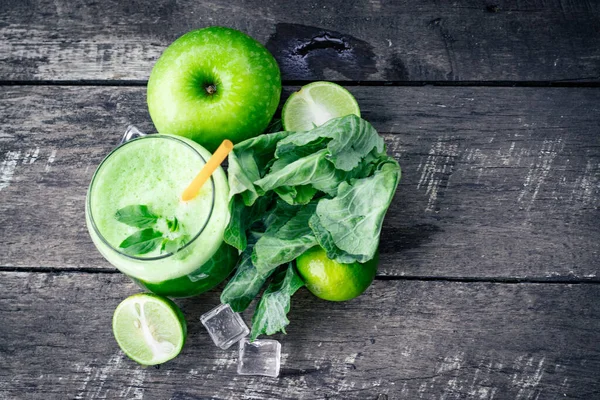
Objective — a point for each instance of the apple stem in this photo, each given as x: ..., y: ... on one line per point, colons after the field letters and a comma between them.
x: 210, y: 89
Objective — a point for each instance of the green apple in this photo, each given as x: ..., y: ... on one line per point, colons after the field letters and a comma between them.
x: 213, y: 84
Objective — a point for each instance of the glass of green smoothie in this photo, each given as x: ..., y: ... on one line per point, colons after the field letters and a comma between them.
x: 138, y: 222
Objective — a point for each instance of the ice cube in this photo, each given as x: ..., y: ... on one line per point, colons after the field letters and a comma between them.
x: 261, y: 357
x: 224, y: 326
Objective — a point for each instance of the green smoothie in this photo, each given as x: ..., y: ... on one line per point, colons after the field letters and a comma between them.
x: 134, y: 198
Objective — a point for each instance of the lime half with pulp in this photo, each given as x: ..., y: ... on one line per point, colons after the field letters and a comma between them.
x: 150, y: 329
x: 316, y: 103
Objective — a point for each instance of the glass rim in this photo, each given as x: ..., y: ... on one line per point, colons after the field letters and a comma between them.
x: 91, y: 214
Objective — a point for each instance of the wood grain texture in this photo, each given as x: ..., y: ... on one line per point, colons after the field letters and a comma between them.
x: 497, y: 182
x: 483, y: 341
x: 381, y: 40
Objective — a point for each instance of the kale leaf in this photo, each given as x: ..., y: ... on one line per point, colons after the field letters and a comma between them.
x: 290, y: 191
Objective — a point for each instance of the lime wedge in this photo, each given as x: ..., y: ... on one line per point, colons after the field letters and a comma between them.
x: 150, y: 329
x: 316, y: 103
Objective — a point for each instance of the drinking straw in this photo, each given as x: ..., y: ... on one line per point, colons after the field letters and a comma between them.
x: 213, y: 163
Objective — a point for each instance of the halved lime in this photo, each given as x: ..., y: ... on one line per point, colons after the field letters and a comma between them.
x: 316, y: 103
x: 150, y: 329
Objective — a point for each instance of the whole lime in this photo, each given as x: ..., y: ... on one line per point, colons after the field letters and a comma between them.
x: 213, y: 84
x: 330, y: 280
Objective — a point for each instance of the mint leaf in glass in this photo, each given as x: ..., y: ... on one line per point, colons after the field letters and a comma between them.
x: 141, y: 242
x: 271, y: 314
x: 172, y: 245
x: 138, y: 216
x: 148, y: 238
x: 173, y: 224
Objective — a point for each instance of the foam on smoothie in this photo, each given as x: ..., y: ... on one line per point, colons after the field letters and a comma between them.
x: 152, y: 172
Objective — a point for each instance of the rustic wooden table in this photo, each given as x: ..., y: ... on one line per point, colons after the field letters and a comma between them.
x: 488, y: 285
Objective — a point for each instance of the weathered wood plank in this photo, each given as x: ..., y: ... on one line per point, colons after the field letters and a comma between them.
x: 497, y: 182
x: 401, y: 339
x: 468, y: 40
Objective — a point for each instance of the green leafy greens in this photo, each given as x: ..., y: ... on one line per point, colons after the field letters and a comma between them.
x: 245, y: 284
x: 290, y: 191
x: 271, y: 314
